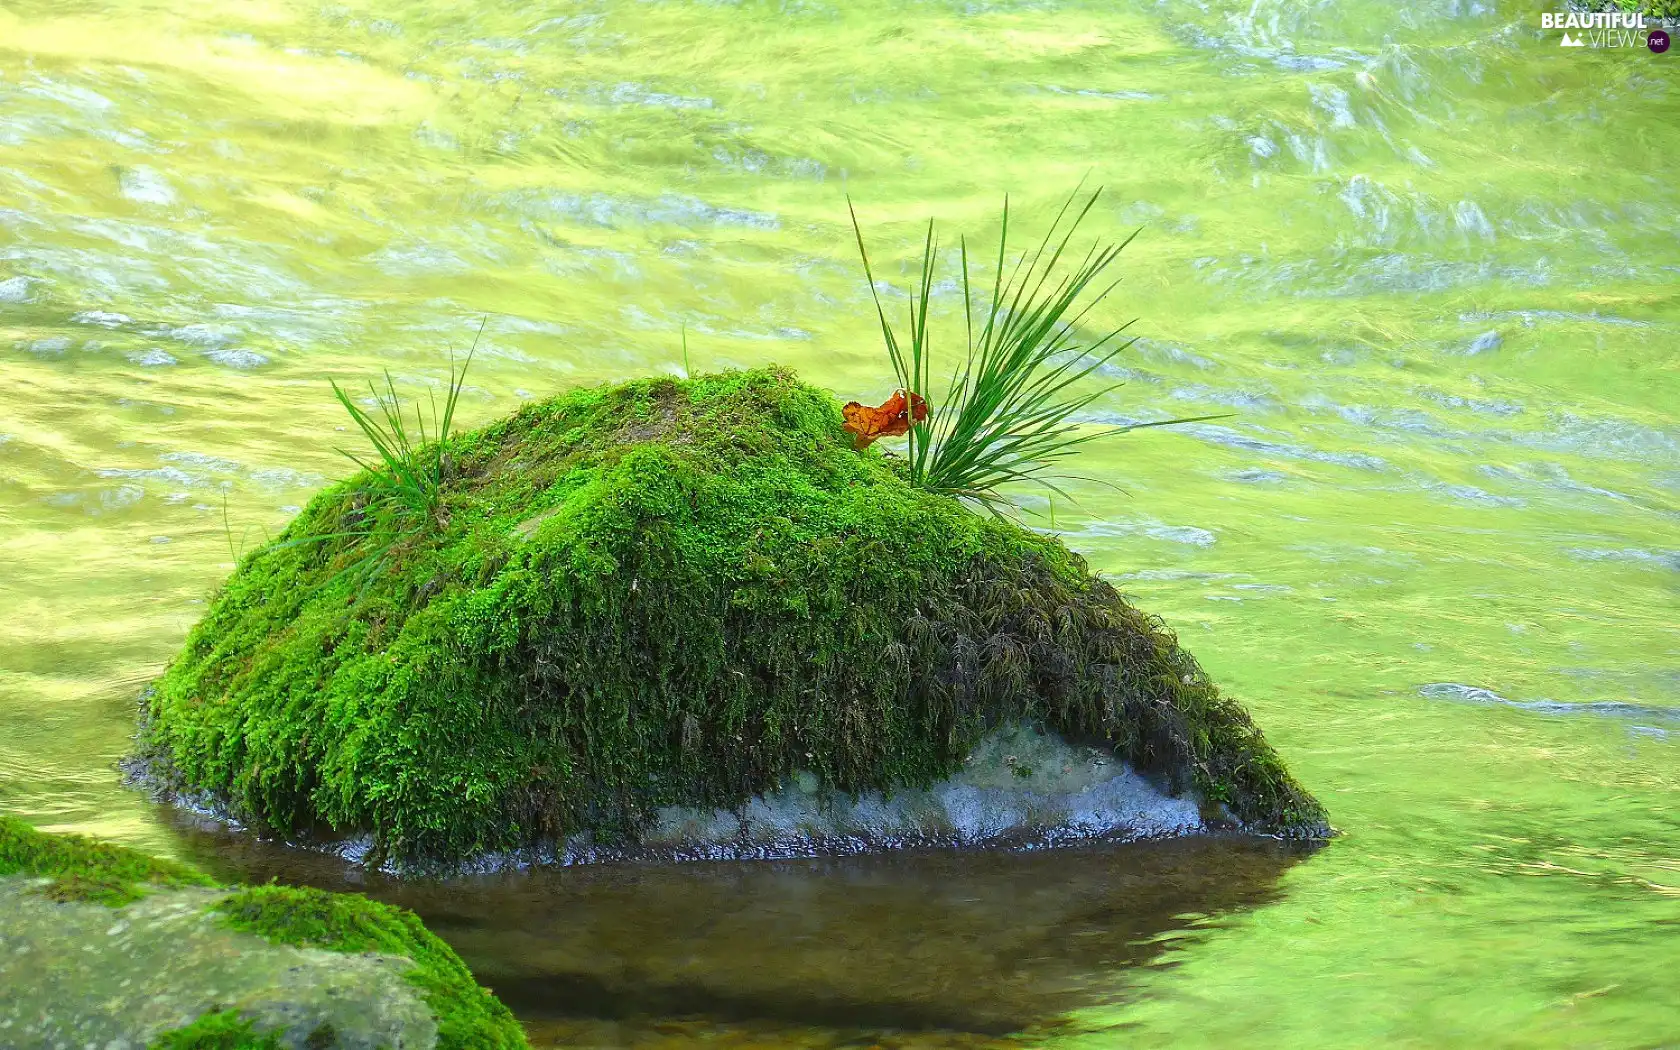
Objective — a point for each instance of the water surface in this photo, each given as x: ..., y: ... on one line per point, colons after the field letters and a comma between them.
x: 949, y: 947
x: 1423, y: 256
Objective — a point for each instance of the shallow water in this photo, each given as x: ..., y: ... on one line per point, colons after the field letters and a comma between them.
x: 1424, y: 257
x: 950, y: 947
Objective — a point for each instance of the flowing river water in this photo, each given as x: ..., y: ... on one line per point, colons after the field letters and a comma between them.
x: 1423, y: 256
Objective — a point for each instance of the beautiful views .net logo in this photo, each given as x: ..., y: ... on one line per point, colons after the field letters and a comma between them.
x: 1593, y: 20
x: 1605, y: 29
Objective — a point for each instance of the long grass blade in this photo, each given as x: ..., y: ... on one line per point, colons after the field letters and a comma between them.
x: 1010, y: 409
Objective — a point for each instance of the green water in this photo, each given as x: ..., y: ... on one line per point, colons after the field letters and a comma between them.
x: 1425, y: 256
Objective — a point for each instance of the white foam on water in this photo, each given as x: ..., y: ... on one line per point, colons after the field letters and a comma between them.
x: 146, y: 186
x: 102, y: 318
x: 1334, y: 103
x: 1631, y: 555
x: 238, y: 358
x: 1471, y: 494
x: 15, y: 290
x: 1189, y: 535
x: 1117, y: 96
x: 1616, y: 709
x: 1221, y: 435
x: 79, y: 98
x: 605, y: 210
x: 1470, y: 219
x: 1162, y: 351
x: 1247, y: 399
x: 417, y: 260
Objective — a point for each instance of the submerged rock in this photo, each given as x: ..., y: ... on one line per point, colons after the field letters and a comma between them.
x: 688, y: 616
x: 102, y: 946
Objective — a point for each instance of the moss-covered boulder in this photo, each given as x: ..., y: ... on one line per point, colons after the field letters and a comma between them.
x: 661, y: 595
x: 103, y: 946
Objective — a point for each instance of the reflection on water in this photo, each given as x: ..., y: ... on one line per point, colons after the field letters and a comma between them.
x: 918, y: 948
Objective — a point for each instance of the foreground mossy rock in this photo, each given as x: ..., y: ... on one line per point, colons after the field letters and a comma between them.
x: 102, y: 946
x: 664, y: 594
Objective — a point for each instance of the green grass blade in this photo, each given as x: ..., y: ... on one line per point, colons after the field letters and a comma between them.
x: 1009, y: 411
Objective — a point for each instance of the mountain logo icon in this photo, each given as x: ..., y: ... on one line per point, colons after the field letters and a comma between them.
x: 1569, y: 41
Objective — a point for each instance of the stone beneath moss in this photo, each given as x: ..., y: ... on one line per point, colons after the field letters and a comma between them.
x: 659, y: 598
x: 1022, y: 786
x: 175, y: 961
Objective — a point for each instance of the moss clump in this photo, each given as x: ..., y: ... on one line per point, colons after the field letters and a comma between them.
x: 230, y: 1030
x: 663, y: 592
x: 1662, y: 10
x: 468, y: 1016
x: 84, y: 870
x: 223, y: 1030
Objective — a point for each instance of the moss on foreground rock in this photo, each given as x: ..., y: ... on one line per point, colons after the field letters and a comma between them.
x: 663, y: 593
x: 81, y: 869
x: 163, y: 957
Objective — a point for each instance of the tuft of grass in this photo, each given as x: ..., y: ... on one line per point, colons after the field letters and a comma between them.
x: 1010, y: 410
x: 412, y: 462
x: 413, y: 466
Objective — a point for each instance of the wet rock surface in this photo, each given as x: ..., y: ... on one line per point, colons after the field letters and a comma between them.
x: 1022, y: 785
x: 76, y: 974
x: 102, y: 946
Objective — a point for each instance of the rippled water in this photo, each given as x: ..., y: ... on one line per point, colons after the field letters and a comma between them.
x: 1423, y: 256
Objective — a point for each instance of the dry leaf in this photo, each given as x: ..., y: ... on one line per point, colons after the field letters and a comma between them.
x: 891, y: 419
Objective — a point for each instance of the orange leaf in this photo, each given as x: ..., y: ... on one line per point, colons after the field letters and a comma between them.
x: 891, y: 419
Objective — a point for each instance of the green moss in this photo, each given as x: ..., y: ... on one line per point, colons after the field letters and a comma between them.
x: 1652, y: 9
x: 85, y: 870
x: 664, y: 592
x: 228, y: 1030
x: 98, y: 889
x: 468, y: 1016
x: 224, y: 1030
